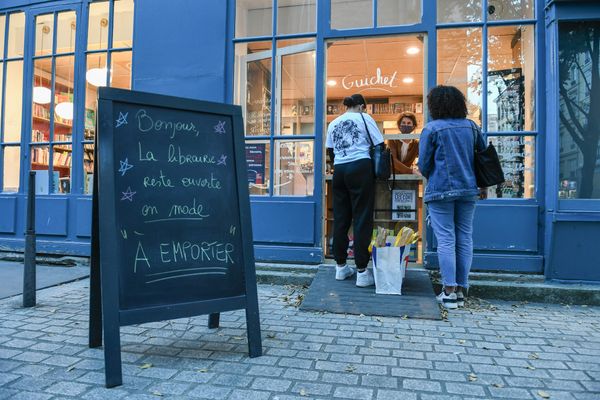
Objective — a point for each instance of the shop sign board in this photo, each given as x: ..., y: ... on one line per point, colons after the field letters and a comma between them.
x: 404, y: 204
x: 172, y: 235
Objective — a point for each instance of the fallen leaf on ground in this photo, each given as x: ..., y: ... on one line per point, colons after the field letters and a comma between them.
x: 350, y: 368
x: 203, y: 370
x: 543, y: 394
x: 303, y: 392
x: 71, y: 368
x: 530, y: 367
x: 472, y: 377
x: 146, y: 366
x: 498, y: 385
x: 534, y: 356
x: 461, y: 341
x: 157, y: 393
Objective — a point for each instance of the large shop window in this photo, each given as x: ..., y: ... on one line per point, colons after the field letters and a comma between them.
x: 109, y: 42
x: 279, y: 114
x: 509, y: 74
x: 579, y: 86
x: 352, y: 14
x: 11, y: 96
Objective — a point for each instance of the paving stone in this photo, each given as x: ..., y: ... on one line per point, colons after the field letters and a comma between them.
x: 67, y: 388
x: 422, y: 385
x: 383, y: 394
x: 273, y: 385
x: 240, y: 394
x: 355, y: 393
x: 209, y: 392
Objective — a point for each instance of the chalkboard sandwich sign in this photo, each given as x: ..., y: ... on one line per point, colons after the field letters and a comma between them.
x: 171, y: 217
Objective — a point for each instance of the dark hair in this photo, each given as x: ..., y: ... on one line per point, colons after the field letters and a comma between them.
x: 446, y: 102
x: 409, y: 115
x: 355, y: 100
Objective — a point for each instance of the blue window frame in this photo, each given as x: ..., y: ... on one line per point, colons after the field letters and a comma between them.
x: 12, y: 39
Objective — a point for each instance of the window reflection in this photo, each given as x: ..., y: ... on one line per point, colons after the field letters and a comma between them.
x: 13, y: 109
x: 458, y: 11
x: 511, y: 74
x: 394, y: 12
x: 294, y: 174
x: 16, y: 34
x: 12, y: 161
x: 509, y: 9
x: 296, y: 16
x: 298, y: 94
x: 123, y: 24
x: 65, y: 32
x: 579, y: 60
x: 459, y: 53
x: 253, y: 86
x: 253, y: 18
x: 98, y: 26
x: 517, y: 157
x: 44, y: 28
x: 349, y: 14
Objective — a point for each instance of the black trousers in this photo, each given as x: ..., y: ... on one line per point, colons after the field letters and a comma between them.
x: 353, y: 201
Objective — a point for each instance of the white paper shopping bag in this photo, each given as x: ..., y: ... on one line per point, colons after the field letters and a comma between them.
x: 387, y: 270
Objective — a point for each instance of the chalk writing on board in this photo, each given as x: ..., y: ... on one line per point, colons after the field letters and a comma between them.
x: 183, y: 251
x: 161, y: 181
x: 147, y: 124
x: 232, y: 230
x: 124, y: 233
x: 222, y: 160
x: 137, y: 233
x: 122, y: 120
x: 125, y: 166
x: 220, y: 127
x: 128, y: 194
x: 140, y: 255
x: 176, y: 156
x: 212, y: 183
x: 149, y: 156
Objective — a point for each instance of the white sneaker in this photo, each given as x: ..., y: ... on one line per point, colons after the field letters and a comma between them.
x: 344, y: 272
x: 364, y: 279
x: 460, y: 299
x: 447, y: 300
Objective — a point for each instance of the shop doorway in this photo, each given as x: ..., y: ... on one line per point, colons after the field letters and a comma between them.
x: 390, y: 72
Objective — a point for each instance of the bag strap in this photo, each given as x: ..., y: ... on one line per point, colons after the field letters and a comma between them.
x: 367, y: 129
x: 475, y: 130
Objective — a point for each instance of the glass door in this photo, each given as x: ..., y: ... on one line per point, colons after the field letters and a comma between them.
x: 390, y: 72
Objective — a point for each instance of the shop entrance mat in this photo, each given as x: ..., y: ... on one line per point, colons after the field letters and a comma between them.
x: 344, y: 297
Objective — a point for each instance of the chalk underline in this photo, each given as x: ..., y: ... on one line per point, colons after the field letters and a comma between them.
x: 182, y: 276
x: 188, y: 269
x: 174, y: 219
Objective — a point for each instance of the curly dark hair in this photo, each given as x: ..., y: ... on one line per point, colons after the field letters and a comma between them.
x: 446, y: 102
x: 409, y: 115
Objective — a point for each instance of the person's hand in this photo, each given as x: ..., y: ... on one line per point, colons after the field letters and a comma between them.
x: 483, y: 193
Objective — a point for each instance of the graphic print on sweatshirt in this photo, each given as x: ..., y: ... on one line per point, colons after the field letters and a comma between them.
x: 344, y: 135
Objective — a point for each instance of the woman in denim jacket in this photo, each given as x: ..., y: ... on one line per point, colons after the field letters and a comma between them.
x: 446, y: 159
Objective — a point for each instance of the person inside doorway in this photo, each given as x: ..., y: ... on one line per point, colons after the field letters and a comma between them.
x: 404, y: 152
x: 353, y: 186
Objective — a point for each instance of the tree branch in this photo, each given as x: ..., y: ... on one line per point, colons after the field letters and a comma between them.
x: 574, y: 134
x: 587, y: 84
x: 569, y: 104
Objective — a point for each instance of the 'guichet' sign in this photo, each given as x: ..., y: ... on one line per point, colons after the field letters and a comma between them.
x: 377, y: 81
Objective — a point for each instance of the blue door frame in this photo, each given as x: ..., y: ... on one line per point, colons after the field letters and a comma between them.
x: 572, y: 226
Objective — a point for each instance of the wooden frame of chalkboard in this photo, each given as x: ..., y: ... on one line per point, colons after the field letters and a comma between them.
x: 171, y: 229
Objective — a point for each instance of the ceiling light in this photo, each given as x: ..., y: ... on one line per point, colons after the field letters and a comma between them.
x: 97, y: 76
x: 64, y: 110
x: 331, y: 82
x: 41, y: 95
x: 413, y: 50
x: 408, y: 79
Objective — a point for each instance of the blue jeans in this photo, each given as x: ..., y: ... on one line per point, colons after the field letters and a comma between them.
x: 452, y: 222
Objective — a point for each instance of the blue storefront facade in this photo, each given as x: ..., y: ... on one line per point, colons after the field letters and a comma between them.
x: 529, y: 70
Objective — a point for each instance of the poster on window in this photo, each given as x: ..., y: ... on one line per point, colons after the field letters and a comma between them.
x: 404, y: 200
x: 255, y: 159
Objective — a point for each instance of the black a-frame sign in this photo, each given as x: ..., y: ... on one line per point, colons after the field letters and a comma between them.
x: 171, y: 236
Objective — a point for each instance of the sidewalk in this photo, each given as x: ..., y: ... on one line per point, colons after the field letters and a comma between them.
x: 492, y: 350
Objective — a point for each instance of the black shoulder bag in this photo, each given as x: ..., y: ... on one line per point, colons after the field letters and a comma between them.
x: 380, y: 157
x: 488, y: 170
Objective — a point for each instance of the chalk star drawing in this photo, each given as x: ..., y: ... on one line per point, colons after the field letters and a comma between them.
x: 128, y: 194
x: 220, y: 127
x: 125, y: 166
x: 122, y: 120
x: 222, y: 160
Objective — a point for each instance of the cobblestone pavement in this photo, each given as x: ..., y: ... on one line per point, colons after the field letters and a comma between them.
x: 493, y: 350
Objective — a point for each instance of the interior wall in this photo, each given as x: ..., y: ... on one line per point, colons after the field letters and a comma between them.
x: 180, y: 48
